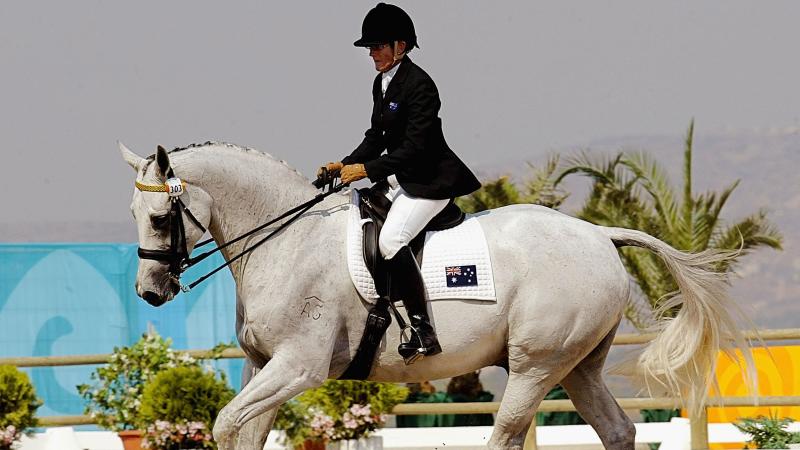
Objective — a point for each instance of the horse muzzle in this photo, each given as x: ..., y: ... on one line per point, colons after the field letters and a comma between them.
x: 156, y: 299
x: 153, y: 298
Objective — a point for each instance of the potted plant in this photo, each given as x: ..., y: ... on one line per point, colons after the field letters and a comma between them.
x: 181, y: 404
x: 345, y: 413
x: 769, y: 432
x: 18, y: 405
x: 115, y: 394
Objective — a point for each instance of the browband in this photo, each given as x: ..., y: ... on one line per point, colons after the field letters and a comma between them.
x: 160, y: 187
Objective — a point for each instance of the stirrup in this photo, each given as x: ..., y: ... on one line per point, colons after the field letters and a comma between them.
x: 411, y: 355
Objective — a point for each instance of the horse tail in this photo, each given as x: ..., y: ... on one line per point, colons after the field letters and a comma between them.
x: 683, y: 355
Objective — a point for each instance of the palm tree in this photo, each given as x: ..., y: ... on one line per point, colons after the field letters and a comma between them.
x: 632, y: 190
x: 540, y: 189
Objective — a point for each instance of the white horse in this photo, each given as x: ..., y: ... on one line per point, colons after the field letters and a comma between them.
x: 561, y: 290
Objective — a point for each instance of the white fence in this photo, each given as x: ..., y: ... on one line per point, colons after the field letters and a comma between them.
x: 673, y: 435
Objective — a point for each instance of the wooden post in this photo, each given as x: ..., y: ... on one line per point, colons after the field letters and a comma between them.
x: 698, y: 425
x: 530, y: 438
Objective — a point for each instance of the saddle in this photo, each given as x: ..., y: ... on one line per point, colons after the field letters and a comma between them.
x: 373, y: 207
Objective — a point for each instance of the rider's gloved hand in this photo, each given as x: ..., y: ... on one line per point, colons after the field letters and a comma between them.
x: 333, y: 169
x: 353, y: 172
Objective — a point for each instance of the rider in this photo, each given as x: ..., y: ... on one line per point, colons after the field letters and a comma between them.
x: 422, y: 172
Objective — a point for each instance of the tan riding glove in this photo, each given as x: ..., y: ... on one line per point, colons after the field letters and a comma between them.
x: 333, y: 168
x: 353, y: 172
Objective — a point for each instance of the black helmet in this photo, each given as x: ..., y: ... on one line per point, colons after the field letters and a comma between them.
x: 387, y: 23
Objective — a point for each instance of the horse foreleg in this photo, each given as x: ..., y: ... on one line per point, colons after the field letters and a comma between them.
x: 254, y: 433
x: 594, y: 402
x: 276, y: 383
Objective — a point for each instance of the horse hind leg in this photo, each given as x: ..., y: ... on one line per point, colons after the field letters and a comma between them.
x: 522, y: 396
x: 533, y: 371
x: 594, y: 402
x: 531, y: 375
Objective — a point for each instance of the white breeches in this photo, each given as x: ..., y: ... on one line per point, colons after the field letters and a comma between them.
x: 406, y: 218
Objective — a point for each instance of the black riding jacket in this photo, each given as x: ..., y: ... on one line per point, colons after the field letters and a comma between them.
x: 406, y: 124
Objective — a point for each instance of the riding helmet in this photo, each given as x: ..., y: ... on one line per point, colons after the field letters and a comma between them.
x: 387, y: 23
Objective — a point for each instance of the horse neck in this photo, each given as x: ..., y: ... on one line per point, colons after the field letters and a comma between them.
x: 248, y: 188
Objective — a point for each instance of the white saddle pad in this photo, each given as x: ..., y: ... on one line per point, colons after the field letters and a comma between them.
x: 455, y: 262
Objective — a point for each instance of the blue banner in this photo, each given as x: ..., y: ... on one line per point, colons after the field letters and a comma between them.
x: 69, y: 299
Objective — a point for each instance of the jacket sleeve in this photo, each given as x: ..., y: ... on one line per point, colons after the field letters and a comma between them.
x: 423, y: 106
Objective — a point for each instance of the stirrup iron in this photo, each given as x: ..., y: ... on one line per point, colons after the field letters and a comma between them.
x: 410, y: 356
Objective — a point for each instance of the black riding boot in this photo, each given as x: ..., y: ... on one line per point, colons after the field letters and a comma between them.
x: 407, y: 282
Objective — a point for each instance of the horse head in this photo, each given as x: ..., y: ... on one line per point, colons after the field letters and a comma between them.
x: 160, y: 207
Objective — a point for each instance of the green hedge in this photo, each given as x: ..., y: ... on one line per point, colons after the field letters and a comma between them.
x: 18, y: 400
x: 185, y: 394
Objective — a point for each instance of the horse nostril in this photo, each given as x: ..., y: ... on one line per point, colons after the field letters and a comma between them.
x: 152, y: 298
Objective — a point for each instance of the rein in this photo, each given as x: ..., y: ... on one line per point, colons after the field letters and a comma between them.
x: 178, y: 257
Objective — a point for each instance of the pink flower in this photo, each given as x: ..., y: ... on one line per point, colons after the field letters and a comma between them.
x: 359, y: 410
x: 349, y: 422
x: 163, y: 434
x: 9, y: 435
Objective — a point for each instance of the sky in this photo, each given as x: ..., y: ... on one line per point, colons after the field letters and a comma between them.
x: 517, y: 79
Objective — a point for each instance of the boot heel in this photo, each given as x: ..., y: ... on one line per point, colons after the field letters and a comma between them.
x: 434, y: 349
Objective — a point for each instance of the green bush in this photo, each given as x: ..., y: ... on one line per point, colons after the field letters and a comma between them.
x: 114, y: 397
x: 335, y: 397
x: 18, y: 403
x: 182, y: 394
x: 768, y: 432
x: 292, y: 419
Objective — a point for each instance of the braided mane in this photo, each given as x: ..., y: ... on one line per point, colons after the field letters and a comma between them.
x: 206, y: 144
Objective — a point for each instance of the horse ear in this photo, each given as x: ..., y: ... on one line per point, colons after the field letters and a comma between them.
x: 131, y: 158
x: 162, y: 158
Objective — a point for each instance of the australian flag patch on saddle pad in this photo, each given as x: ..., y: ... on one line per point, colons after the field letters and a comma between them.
x: 461, y: 276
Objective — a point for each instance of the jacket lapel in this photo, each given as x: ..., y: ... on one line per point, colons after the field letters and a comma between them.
x: 399, y: 78
x: 377, y: 96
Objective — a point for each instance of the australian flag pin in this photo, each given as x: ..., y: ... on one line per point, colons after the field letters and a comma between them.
x: 461, y: 276
x: 393, y: 106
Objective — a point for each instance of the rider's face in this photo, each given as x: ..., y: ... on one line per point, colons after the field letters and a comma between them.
x: 383, y: 55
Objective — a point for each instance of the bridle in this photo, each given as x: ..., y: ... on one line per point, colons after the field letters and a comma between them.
x: 177, y: 256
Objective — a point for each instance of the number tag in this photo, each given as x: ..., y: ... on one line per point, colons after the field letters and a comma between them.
x: 174, y: 187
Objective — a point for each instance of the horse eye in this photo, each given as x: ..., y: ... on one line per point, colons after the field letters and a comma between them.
x: 160, y: 222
